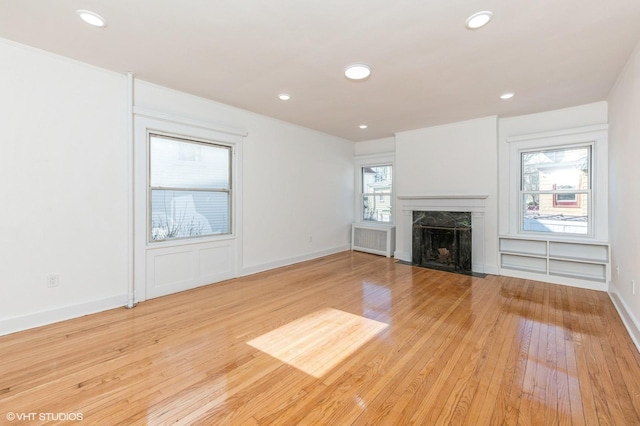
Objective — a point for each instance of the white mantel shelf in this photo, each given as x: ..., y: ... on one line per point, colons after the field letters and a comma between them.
x: 442, y: 197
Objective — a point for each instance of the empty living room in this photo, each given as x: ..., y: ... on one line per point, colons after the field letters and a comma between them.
x: 319, y: 213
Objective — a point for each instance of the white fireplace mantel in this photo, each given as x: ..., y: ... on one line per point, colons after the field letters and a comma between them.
x: 467, y: 203
x: 473, y: 203
x: 444, y: 197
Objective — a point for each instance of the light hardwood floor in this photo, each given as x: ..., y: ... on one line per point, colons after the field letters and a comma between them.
x: 347, y: 339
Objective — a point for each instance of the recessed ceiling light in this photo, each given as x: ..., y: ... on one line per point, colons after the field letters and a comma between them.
x: 357, y: 72
x: 92, y: 18
x: 284, y: 96
x: 363, y: 126
x: 507, y: 95
x: 478, y: 20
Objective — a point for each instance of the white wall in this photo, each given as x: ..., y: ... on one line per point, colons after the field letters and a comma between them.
x: 64, y: 165
x: 453, y: 159
x: 559, y: 119
x: 297, y: 183
x: 63, y: 168
x: 298, y: 194
x: 376, y: 146
x: 624, y: 192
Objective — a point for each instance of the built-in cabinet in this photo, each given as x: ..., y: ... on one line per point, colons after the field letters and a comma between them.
x: 551, y: 258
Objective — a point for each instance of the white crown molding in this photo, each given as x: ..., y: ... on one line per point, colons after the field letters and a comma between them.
x: 142, y: 112
x: 559, y: 133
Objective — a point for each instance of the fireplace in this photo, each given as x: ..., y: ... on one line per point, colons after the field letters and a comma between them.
x: 442, y: 240
x: 473, y: 204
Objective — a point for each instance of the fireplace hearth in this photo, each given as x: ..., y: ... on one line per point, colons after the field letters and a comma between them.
x: 442, y: 240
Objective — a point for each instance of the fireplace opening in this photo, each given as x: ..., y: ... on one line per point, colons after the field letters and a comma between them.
x: 442, y: 240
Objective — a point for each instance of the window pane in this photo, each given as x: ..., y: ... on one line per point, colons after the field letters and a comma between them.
x: 543, y: 213
x: 556, y: 169
x: 377, y: 207
x: 182, y: 164
x: 376, y: 190
x: 181, y: 214
x: 376, y: 179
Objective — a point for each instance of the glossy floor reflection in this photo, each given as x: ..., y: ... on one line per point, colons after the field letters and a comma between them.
x: 350, y: 338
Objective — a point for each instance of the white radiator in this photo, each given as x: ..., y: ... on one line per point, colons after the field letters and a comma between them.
x: 373, y: 238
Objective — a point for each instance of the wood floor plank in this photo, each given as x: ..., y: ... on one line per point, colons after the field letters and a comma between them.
x: 504, y: 405
x: 577, y: 343
x: 432, y: 333
x: 485, y: 400
x: 625, y: 360
x: 421, y: 362
x: 450, y: 397
x: 620, y: 408
x: 349, y: 339
x: 532, y: 400
x: 558, y: 357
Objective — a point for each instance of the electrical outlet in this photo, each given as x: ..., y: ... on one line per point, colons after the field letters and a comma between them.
x: 53, y: 280
x: 618, y: 269
x: 633, y: 287
x: 310, y: 239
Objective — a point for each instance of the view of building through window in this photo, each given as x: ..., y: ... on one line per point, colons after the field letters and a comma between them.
x: 189, y: 188
x: 556, y: 190
x: 376, y: 193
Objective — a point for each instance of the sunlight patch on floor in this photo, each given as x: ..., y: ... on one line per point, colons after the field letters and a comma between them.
x: 318, y: 341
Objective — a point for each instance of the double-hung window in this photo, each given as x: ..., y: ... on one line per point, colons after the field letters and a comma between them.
x: 189, y: 188
x: 556, y: 190
x: 376, y: 193
x: 557, y: 185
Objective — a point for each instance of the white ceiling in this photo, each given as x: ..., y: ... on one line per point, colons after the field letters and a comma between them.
x: 428, y: 69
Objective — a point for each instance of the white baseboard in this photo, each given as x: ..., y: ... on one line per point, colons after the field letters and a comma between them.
x: 249, y: 270
x: 630, y: 322
x: 37, y: 319
x: 400, y: 255
x: 491, y: 270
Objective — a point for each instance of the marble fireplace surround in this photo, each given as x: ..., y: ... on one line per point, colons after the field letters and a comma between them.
x: 475, y: 204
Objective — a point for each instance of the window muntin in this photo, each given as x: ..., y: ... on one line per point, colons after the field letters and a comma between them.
x: 189, y: 188
x: 377, y: 184
x: 555, y: 190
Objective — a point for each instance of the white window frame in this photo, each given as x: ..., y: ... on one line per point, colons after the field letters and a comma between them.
x: 375, y: 160
x: 193, y: 261
x: 588, y: 191
x: 594, y: 136
x: 230, y: 191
